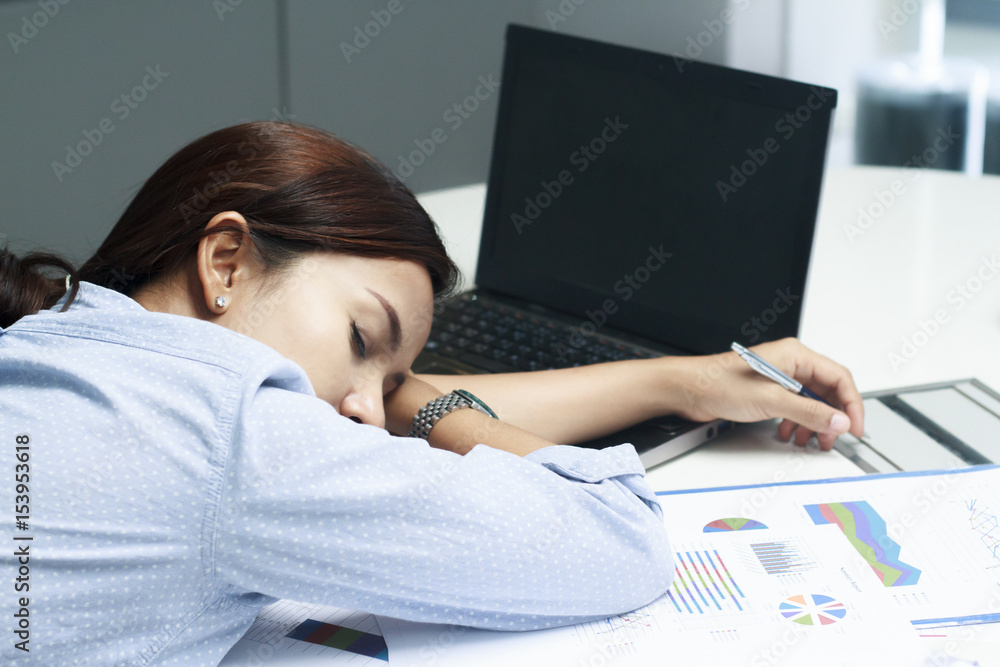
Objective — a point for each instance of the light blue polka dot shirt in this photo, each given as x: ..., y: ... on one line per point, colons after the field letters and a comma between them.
x: 183, y: 475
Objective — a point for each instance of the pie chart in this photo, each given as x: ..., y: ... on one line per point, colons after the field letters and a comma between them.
x: 813, y: 609
x: 732, y: 523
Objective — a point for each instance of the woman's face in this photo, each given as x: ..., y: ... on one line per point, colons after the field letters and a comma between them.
x: 354, y: 324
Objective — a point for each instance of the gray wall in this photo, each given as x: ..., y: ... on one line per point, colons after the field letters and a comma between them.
x: 64, y: 76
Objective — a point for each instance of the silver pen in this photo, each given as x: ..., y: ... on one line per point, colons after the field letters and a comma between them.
x: 762, y: 366
x: 767, y: 370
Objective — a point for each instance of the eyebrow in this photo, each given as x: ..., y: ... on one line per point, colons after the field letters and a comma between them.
x: 396, y: 331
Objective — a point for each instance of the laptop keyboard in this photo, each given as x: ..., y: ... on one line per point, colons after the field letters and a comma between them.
x: 499, y: 338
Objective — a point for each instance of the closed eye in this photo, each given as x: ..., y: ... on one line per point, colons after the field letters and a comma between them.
x: 359, y: 342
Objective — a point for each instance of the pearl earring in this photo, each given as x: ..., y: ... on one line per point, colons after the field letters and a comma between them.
x: 221, y: 301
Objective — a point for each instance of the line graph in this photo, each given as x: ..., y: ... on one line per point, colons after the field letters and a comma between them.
x: 983, y: 522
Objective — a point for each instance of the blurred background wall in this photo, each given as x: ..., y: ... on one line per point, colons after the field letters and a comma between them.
x: 95, y: 95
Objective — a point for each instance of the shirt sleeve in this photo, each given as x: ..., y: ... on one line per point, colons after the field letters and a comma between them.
x: 318, y: 508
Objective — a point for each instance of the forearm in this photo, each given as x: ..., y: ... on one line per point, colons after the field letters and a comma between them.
x: 462, y: 430
x: 576, y: 404
x: 457, y: 431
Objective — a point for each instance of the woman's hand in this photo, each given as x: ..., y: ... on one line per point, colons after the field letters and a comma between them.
x: 724, y: 386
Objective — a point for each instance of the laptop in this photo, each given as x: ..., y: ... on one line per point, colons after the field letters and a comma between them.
x: 638, y: 205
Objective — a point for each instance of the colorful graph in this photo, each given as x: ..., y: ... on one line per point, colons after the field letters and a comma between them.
x: 732, y: 523
x: 782, y: 557
x: 812, y: 609
x: 620, y: 635
x: 983, y: 522
x: 295, y: 629
x: 703, y: 584
x: 339, y: 637
x: 866, y: 531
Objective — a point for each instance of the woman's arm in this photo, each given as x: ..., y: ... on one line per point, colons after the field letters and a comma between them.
x: 576, y: 404
x: 317, y: 508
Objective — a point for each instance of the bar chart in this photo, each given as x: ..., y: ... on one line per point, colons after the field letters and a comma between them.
x: 782, y: 557
x: 703, y: 584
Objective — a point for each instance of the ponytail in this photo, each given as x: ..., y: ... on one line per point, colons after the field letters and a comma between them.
x: 25, y: 288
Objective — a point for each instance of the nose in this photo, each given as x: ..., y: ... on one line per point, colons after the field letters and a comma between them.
x: 364, y: 405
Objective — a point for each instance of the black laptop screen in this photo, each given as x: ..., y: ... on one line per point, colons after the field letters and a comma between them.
x: 672, y: 199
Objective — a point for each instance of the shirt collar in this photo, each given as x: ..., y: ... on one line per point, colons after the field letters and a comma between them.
x: 91, y: 295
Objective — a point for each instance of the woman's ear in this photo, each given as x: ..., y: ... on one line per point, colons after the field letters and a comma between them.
x: 224, y: 262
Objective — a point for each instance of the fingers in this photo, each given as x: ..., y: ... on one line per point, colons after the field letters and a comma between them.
x: 805, y: 417
x: 787, y: 428
x: 821, y: 374
x: 833, y: 381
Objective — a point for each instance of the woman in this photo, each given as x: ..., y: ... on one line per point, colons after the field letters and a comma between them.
x: 203, y: 423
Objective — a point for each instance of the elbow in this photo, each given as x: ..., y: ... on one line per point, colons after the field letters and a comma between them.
x: 653, y: 572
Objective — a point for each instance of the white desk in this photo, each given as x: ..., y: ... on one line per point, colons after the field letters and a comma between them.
x: 872, y: 281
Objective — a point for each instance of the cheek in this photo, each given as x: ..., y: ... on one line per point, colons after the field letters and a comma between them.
x: 312, y: 342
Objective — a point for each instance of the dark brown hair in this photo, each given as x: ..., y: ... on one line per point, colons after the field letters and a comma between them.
x: 300, y: 189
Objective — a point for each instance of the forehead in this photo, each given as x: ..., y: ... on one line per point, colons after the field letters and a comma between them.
x: 403, y: 284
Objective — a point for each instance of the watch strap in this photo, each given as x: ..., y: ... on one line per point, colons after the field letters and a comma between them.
x: 430, y: 414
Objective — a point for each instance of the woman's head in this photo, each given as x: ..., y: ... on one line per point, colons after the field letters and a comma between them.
x: 303, y: 234
x: 300, y: 190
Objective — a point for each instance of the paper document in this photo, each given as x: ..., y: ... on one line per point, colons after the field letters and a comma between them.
x: 298, y: 633
x: 782, y: 598
x: 932, y: 538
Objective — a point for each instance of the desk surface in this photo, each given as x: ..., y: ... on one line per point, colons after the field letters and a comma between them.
x: 902, y: 289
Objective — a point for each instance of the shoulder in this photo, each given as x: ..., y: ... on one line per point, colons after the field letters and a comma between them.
x: 102, y: 322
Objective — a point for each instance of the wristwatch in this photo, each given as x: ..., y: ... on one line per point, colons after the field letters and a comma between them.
x: 428, y: 416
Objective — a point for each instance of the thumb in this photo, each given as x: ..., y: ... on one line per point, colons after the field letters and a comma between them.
x: 814, y: 415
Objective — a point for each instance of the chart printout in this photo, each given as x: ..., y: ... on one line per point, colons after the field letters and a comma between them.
x: 310, y: 634
x: 932, y: 539
x: 803, y: 596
